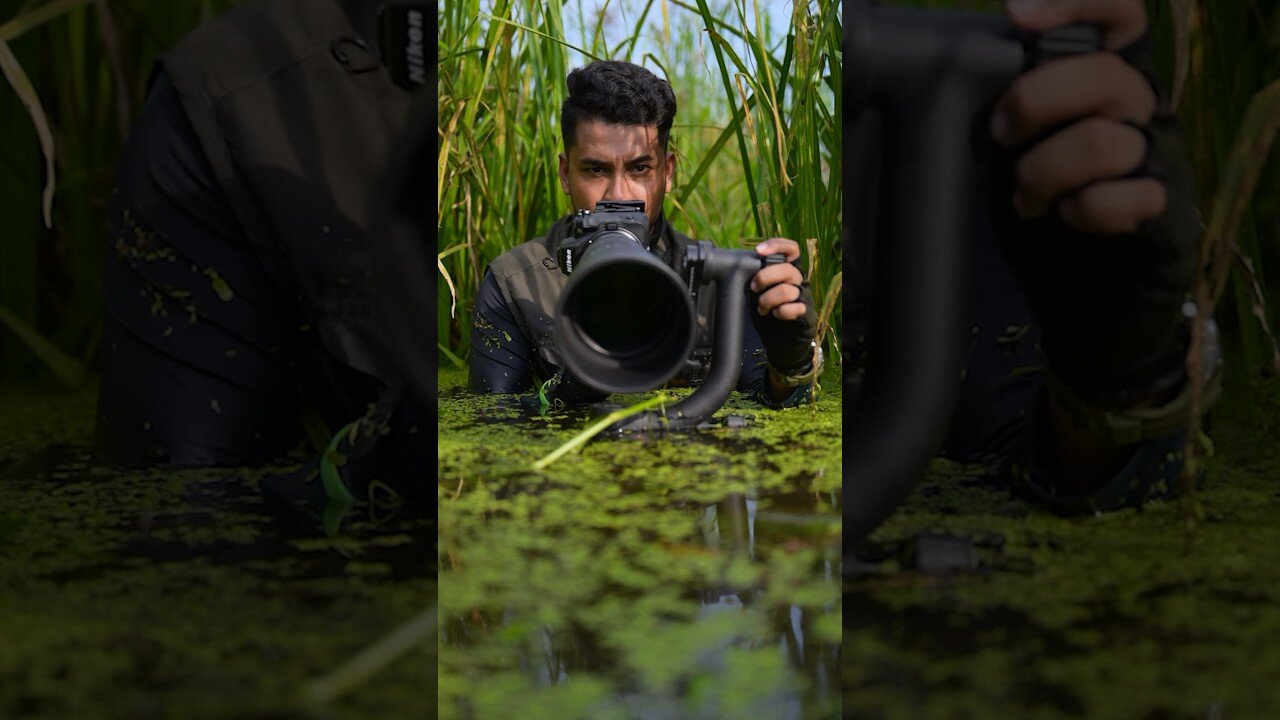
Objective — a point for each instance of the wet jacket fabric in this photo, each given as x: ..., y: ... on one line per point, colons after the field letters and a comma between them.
x: 295, y: 113
x: 237, y: 307
x: 512, y: 338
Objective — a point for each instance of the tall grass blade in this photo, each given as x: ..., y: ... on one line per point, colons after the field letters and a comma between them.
x: 111, y: 41
x: 21, y: 84
x: 63, y: 366
x: 1258, y: 304
x: 365, y: 664
x: 737, y: 112
x: 541, y: 34
x: 35, y: 18
x: 1182, y: 11
x: 1237, y: 184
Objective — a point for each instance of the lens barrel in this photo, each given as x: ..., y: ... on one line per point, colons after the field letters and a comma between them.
x: 626, y: 322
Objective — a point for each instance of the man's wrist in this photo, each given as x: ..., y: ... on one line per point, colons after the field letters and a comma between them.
x: 1142, y: 418
x: 803, y: 375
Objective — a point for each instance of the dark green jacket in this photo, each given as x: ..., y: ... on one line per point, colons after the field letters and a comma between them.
x: 531, y: 283
x: 295, y: 111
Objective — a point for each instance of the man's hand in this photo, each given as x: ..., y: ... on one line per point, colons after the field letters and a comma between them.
x: 1107, y: 274
x: 1094, y: 102
x: 779, y: 285
x: 783, y: 315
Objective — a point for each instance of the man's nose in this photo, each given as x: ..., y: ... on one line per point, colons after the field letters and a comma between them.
x: 617, y: 188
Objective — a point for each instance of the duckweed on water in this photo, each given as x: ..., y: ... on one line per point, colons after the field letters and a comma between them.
x: 176, y: 594
x: 690, y: 575
x: 1099, y: 617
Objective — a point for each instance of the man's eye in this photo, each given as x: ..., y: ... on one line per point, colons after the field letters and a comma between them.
x: 596, y: 170
x: 640, y: 168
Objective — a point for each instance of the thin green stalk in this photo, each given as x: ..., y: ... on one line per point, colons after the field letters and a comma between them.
x: 35, y: 18
x: 63, y: 366
x: 577, y: 441
x: 368, y: 662
x: 731, y: 98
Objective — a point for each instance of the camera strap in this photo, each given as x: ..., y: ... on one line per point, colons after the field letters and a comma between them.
x: 407, y: 48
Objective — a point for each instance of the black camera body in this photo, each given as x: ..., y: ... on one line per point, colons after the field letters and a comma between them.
x: 624, y: 218
x: 626, y: 321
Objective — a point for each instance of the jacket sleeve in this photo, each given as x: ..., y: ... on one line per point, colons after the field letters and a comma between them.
x: 198, y: 339
x: 753, y: 380
x: 1152, y: 471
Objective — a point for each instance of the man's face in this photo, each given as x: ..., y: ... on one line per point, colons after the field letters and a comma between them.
x: 617, y: 162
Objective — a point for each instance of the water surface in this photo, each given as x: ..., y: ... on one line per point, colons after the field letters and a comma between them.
x: 691, y: 575
x: 181, y: 594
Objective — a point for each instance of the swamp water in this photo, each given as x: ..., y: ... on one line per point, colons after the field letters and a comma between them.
x: 692, y: 575
x: 179, y: 594
x: 699, y: 581
x: 1108, y: 616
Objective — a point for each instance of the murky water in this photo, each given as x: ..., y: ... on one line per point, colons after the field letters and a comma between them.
x: 182, y: 594
x: 1108, y: 616
x: 692, y: 575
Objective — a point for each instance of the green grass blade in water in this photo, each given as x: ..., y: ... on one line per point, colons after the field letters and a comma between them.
x: 62, y: 365
x: 598, y: 427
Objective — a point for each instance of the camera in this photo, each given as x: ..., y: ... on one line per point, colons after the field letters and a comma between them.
x: 626, y: 320
x: 611, y: 218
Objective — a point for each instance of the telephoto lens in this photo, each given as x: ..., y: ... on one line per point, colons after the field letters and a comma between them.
x: 626, y: 321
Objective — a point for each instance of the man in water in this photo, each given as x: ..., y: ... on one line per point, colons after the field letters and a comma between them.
x: 1075, y: 376
x: 238, y: 307
x: 1082, y: 279
x: 616, y: 122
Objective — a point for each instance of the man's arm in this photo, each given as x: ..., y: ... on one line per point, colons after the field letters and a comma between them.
x: 1103, y: 243
x: 755, y: 379
x: 501, y: 352
x: 198, y: 338
x: 785, y: 320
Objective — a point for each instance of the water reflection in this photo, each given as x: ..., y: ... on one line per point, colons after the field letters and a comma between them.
x: 709, y: 641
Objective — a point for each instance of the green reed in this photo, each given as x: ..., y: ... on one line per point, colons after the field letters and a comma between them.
x: 87, y: 62
x: 1225, y: 61
x: 757, y: 134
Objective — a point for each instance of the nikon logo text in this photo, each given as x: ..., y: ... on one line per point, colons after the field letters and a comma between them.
x: 413, y: 53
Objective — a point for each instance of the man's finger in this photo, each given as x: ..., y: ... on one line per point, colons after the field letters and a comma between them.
x: 774, y: 246
x: 1088, y: 151
x: 1115, y: 207
x: 1061, y: 91
x: 776, y: 296
x: 790, y: 311
x: 1122, y: 21
x: 775, y: 274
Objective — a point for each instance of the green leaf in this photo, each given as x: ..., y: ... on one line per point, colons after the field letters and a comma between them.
x: 35, y: 18
x: 334, y: 488
x: 62, y: 365
x: 21, y: 85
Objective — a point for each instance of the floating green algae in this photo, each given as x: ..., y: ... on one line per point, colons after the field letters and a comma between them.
x: 180, y: 594
x: 692, y: 574
x: 1105, y: 616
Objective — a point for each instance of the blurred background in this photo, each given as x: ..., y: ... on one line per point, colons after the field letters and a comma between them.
x: 77, y: 73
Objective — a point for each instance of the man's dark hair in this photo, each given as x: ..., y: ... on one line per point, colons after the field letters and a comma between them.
x: 618, y: 93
